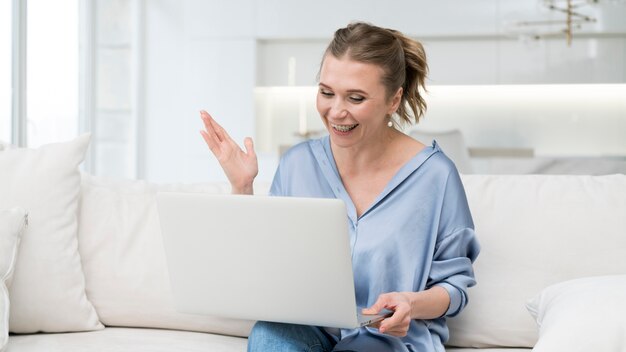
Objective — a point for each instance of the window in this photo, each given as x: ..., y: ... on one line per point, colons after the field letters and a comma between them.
x: 52, y: 71
x: 5, y: 71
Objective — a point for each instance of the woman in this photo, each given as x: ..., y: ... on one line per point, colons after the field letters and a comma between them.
x: 411, y: 231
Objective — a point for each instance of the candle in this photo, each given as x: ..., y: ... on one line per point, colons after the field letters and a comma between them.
x: 302, y: 116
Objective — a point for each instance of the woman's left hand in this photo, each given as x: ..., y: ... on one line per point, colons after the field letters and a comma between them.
x: 398, y: 323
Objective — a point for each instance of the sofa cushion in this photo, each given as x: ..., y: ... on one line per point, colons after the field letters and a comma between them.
x: 127, y: 340
x: 124, y: 260
x: 149, y: 340
x: 12, y: 223
x: 536, y: 230
x: 570, y: 313
x: 48, y: 288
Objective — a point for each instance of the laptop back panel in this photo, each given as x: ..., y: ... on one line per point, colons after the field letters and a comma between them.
x: 259, y: 258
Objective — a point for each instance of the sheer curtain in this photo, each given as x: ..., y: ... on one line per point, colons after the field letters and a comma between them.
x: 5, y: 71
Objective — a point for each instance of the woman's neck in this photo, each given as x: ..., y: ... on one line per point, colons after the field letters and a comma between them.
x: 367, y: 155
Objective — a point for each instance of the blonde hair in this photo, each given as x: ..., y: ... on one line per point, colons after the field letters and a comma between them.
x: 402, y: 59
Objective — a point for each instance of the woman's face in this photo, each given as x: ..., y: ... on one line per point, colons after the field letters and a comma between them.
x: 352, y: 101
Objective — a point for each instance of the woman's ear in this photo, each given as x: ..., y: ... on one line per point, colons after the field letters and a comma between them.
x: 395, y: 101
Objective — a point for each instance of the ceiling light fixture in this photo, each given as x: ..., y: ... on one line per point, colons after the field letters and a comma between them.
x: 573, y: 18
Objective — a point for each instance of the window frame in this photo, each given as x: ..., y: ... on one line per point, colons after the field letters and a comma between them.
x: 18, y: 73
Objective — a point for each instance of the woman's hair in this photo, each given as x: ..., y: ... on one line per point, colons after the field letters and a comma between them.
x: 402, y: 59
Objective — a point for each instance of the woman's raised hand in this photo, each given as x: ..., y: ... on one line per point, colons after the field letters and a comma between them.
x: 240, y: 167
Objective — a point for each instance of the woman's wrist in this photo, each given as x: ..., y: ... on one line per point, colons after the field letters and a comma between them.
x: 245, y: 188
x: 429, y: 304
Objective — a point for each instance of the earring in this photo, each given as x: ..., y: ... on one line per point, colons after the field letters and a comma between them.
x: 390, y: 122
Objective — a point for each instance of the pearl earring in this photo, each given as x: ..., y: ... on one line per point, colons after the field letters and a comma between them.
x: 389, y: 123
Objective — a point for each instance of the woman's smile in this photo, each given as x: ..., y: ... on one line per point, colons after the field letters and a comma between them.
x: 344, y: 128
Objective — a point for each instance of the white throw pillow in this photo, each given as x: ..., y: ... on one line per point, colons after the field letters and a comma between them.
x: 586, y: 314
x: 124, y: 260
x: 48, y: 288
x: 12, y: 224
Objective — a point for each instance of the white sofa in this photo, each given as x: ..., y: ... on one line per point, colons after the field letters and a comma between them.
x: 535, y: 232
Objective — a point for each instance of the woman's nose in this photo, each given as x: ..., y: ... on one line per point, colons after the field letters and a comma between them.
x: 338, y: 110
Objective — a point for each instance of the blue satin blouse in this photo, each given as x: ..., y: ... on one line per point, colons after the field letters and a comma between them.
x: 418, y: 233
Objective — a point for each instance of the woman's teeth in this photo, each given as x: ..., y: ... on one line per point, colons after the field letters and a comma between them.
x: 344, y: 128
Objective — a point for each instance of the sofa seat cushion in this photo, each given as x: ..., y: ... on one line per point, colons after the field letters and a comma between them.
x: 127, y: 340
x: 153, y: 340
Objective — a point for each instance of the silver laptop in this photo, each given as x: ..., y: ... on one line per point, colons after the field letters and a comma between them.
x: 261, y: 258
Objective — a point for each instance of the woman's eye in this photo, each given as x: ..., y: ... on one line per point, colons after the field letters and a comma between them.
x: 357, y: 99
x: 326, y: 93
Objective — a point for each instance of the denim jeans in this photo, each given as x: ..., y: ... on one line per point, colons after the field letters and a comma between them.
x: 279, y: 337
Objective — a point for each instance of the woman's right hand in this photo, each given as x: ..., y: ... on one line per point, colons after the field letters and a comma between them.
x: 240, y: 167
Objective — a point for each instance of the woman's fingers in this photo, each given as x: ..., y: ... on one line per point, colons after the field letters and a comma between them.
x: 249, y: 144
x: 398, y: 323
x: 381, y: 302
x: 397, y: 331
x: 206, y: 120
x: 216, y: 137
x: 221, y: 133
x: 210, y: 141
x: 214, y: 129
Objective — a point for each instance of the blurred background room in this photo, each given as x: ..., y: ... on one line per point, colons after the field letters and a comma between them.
x: 515, y: 86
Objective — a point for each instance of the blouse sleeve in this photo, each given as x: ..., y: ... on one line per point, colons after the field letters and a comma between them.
x: 456, y: 247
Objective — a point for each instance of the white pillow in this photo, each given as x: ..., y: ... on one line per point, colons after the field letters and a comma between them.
x: 12, y: 224
x: 48, y: 288
x: 586, y: 314
x: 124, y: 260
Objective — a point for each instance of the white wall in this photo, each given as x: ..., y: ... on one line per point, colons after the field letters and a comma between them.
x: 280, y: 19
x: 283, y: 19
x: 199, y: 55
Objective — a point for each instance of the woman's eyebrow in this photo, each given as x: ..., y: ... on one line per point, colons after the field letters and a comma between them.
x: 349, y: 90
x: 357, y: 91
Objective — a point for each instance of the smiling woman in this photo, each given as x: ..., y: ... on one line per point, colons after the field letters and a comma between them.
x: 411, y: 233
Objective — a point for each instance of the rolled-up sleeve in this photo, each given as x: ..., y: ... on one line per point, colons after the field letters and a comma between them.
x: 456, y: 247
x: 452, y: 267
